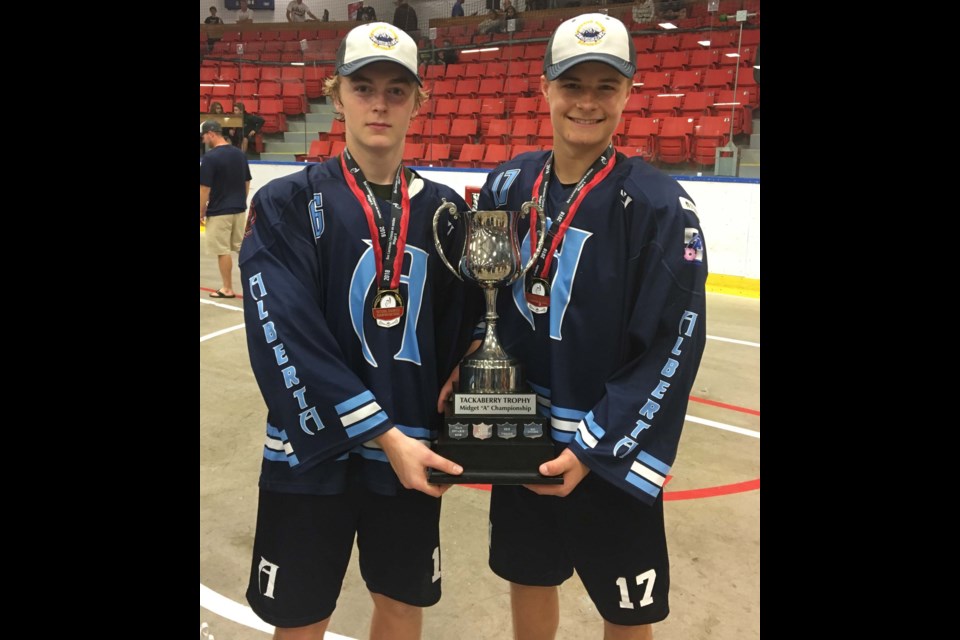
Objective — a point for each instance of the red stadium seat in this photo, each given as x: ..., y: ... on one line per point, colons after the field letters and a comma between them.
x: 470, y: 155
x: 437, y: 154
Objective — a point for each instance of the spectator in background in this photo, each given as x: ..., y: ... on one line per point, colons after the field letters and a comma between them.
x: 497, y: 21
x: 643, y: 11
x: 244, y: 14
x: 449, y: 54
x: 252, y: 124
x: 233, y: 134
x: 367, y: 14
x: 224, y: 187
x: 457, y: 9
x: 297, y: 12
x: 405, y: 18
x: 325, y: 17
x: 213, y: 18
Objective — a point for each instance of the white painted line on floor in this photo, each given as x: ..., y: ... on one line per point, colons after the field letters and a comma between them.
x: 227, y: 608
x: 743, y: 342
x: 221, y: 305
x: 241, y: 614
x: 725, y: 427
x: 221, y: 332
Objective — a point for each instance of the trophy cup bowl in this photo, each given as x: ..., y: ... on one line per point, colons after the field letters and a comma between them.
x: 493, y: 390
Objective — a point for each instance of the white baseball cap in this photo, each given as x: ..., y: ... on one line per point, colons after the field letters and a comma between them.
x: 591, y: 37
x: 375, y: 42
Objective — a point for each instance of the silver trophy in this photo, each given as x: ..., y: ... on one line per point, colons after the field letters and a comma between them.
x: 493, y: 432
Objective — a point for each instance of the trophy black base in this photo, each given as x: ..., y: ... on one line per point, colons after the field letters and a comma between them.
x: 495, y: 449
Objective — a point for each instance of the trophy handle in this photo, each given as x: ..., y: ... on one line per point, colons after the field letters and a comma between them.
x: 530, y: 204
x: 452, y: 208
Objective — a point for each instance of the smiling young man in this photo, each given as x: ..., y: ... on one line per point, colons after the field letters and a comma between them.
x: 352, y: 322
x: 610, y: 326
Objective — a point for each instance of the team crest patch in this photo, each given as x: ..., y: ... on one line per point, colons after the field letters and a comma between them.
x: 692, y: 245
x: 590, y: 33
x: 384, y: 38
x: 251, y: 218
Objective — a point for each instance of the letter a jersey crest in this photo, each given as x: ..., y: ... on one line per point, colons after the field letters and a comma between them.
x: 614, y: 358
x: 332, y: 379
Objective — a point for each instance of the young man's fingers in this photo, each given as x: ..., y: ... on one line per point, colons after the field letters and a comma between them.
x: 442, y: 464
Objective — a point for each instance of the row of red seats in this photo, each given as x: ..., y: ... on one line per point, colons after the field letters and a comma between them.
x: 700, y: 59
x: 693, y: 103
x: 292, y: 93
x: 635, y: 132
x: 281, y: 36
x: 466, y: 77
x: 670, y: 62
x: 326, y: 47
x: 312, y: 76
x: 646, y: 82
x: 678, y: 142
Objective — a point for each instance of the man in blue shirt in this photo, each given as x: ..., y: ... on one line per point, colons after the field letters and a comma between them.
x: 457, y: 9
x: 224, y: 187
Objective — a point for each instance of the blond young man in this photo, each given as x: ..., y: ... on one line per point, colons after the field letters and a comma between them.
x: 610, y: 326
x: 352, y: 324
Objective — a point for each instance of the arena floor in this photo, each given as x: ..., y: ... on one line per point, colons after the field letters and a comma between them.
x: 712, y: 508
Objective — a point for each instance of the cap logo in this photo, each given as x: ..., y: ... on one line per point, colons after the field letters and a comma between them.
x: 384, y: 38
x: 590, y: 33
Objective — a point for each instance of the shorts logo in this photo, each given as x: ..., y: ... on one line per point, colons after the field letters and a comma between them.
x: 692, y: 245
x: 384, y: 38
x: 270, y: 570
x: 590, y: 33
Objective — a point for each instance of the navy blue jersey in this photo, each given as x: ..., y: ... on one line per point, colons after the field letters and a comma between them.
x: 331, y: 377
x: 225, y: 170
x: 614, y: 358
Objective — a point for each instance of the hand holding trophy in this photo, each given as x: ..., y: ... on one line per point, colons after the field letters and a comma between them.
x: 493, y: 430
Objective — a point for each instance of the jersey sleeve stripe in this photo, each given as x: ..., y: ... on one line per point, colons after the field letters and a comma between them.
x: 647, y: 473
x: 356, y: 416
x: 650, y: 461
x: 353, y: 403
x: 367, y: 424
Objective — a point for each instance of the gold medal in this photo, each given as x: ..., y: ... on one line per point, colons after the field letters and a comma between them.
x: 387, y: 307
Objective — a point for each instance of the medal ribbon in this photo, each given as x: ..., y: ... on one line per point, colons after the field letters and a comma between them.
x: 594, y: 175
x: 388, y: 246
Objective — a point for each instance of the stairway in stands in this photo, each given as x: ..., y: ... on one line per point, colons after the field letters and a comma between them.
x: 301, y: 130
x: 750, y: 156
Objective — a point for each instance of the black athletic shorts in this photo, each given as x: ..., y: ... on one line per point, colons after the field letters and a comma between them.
x: 616, y: 543
x: 303, y: 545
